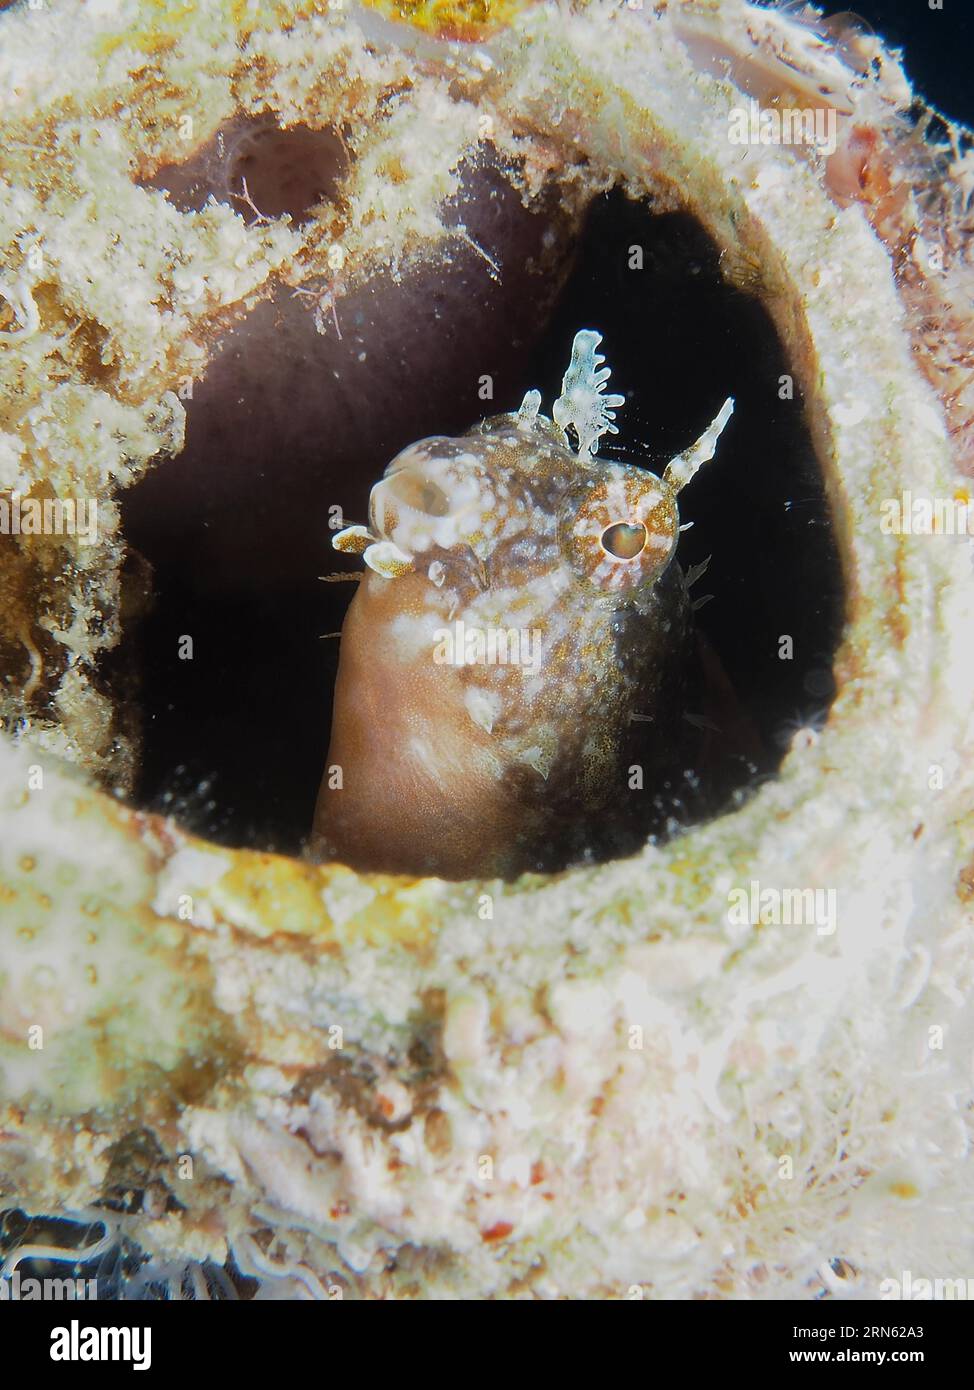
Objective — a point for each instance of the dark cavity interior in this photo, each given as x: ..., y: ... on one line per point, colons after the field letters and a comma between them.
x: 292, y: 426
x: 260, y: 170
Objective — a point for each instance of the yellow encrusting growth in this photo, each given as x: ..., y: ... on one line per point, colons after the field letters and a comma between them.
x: 452, y: 19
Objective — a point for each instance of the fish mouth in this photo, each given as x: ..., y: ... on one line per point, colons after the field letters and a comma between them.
x: 432, y: 497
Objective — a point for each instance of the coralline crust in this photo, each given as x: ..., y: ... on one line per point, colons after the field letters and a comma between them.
x: 578, y: 1087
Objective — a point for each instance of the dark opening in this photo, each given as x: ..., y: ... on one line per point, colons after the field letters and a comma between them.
x: 258, y: 169
x: 291, y: 421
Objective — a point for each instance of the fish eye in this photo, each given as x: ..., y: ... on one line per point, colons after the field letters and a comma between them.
x: 623, y: 540
x: 620, y: 530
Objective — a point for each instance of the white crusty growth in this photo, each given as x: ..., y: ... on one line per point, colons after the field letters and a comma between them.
x: 21, y: 300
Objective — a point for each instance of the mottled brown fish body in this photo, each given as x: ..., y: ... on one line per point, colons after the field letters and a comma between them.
x: 413, y: 785
x: 410, y: 784
x: 521, y: 607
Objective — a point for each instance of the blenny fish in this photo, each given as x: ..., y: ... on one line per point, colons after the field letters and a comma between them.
x: 520, y: 608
